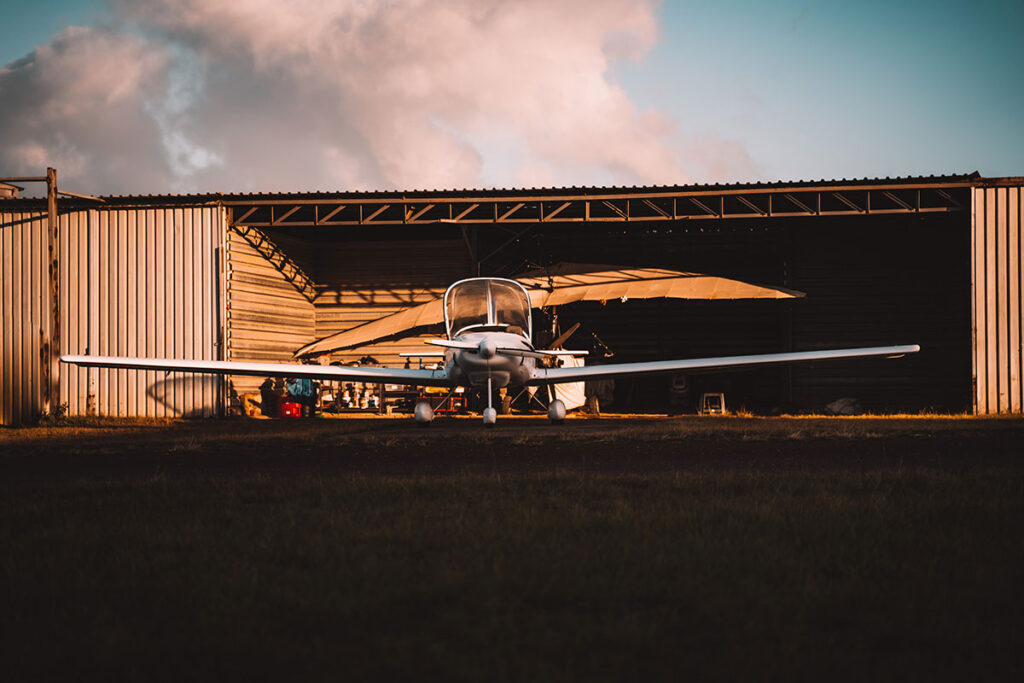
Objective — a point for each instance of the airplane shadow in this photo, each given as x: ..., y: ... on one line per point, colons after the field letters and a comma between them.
x: 184, y: 396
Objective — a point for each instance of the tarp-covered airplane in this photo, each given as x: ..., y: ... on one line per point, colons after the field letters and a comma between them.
x: 488, y: 345
x: 560, y: 284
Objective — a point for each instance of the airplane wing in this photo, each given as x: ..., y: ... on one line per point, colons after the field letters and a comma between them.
x: 371, y: 375
x: 568, y: 374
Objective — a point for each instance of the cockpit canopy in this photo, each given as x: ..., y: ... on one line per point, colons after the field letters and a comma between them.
x: 485, y: 304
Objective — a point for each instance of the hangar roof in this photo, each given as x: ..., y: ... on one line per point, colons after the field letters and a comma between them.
x: 959, y: 179
x: 861, y: 196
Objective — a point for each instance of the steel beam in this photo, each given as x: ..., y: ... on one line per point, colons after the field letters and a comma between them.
x: 584, y: 208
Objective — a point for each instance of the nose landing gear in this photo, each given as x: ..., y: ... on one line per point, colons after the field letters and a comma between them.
x: 490, y: 414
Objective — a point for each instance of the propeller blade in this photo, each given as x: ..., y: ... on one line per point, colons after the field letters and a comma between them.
x: 564, y: 337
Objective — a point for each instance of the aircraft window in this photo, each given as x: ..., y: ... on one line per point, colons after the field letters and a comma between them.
x: 467, y: 305
x: 510, y: 307
x: 484, y: 302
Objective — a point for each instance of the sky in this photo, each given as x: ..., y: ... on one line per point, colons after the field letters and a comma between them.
x: 178, y: 96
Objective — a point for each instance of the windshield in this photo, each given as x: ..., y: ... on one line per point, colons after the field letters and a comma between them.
x: 487, y: 302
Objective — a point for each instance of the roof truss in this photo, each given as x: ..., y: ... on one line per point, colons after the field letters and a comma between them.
x: 646, y: 207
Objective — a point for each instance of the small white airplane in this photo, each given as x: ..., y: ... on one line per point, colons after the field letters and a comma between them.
x: 488, y: 346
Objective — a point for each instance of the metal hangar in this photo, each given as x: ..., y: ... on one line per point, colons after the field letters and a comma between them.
x: 930, y: 260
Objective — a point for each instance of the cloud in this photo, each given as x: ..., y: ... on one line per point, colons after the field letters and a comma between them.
x: 204, y: 95
x: 78, y: 104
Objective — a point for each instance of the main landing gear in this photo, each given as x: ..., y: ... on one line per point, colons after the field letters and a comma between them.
x: 424, y: 414
x: 556, y: 411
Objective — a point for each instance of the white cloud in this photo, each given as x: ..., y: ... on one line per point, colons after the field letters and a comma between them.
x: 193, y: 95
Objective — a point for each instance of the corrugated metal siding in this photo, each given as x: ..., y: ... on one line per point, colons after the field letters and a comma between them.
x: 268, y: 318
x: 368, y: 280
x: 133, y: 282
x: 997, y: 260
x: 142, y: 282
x: 24, y: 315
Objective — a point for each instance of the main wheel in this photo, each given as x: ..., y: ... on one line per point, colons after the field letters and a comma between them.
x: 423, y: 413
x: 556, y: 411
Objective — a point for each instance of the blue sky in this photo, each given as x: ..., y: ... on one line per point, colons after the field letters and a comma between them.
x: 28, y: 24
x: 752, y: 91
x: 846, y: 88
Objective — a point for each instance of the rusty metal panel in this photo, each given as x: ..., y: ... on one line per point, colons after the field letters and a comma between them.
x: 136, y: 282
x: 997, y: 305
x: 24, y: 315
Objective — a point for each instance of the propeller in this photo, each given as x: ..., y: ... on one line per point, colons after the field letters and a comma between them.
x: 564, y: 337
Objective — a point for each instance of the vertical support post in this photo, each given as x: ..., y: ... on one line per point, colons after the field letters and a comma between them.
x: 51, y: 345
x: 787, y: 280
x: 474, y: 240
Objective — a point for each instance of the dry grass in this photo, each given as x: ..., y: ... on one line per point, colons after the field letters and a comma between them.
x: 271, y: 550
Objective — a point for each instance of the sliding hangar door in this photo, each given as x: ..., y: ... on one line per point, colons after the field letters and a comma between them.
x: 140, y: 281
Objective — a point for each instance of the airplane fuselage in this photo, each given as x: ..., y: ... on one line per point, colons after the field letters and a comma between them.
x: 474, y: 367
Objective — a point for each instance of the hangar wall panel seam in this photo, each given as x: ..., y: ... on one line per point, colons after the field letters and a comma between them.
x: 997, y: 310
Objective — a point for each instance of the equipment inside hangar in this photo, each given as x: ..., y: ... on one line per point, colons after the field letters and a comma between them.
x: 930, y: 261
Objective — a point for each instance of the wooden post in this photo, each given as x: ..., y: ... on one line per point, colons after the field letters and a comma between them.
x: 51, y: 346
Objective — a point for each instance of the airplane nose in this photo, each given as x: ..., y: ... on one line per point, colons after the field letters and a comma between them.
x: 487, y: 349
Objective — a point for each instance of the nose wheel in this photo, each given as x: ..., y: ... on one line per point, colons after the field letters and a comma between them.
x: 490, y: 414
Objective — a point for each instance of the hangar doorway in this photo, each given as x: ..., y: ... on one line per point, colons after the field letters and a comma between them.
x: 897, y: 274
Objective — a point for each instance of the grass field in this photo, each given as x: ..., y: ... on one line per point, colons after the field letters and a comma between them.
x: 629, y: 549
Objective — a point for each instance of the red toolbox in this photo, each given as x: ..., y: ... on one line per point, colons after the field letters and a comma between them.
x: 291, y: 409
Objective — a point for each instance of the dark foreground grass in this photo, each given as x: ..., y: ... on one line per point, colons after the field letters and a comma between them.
x: 902, y: 573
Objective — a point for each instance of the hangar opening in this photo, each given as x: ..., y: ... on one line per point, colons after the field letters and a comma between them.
x: 931, y: 261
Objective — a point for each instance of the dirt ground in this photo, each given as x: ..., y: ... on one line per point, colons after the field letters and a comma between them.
x: 107, y: 448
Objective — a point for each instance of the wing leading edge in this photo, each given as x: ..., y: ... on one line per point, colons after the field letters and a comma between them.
x: 558, y: 375
x: 371, y: 375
